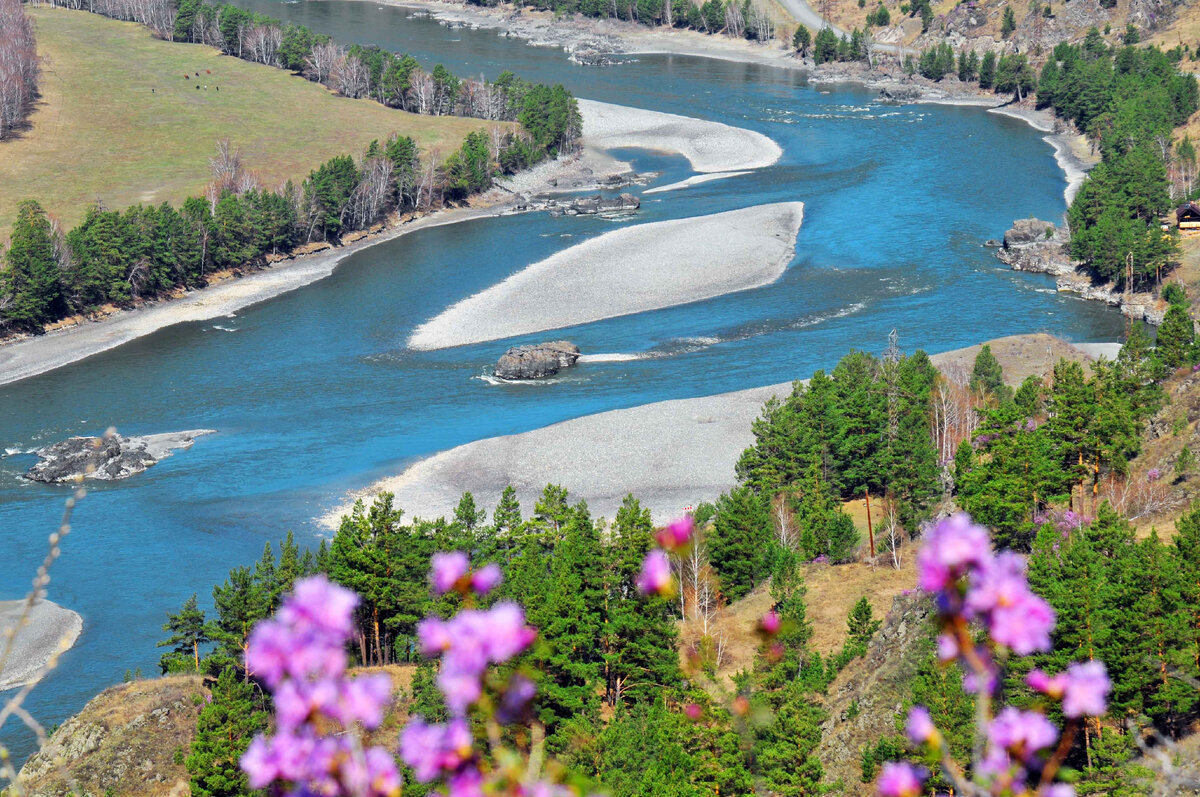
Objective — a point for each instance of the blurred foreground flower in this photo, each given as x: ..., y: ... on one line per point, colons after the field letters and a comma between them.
x: 316, y: 748
x: 1019, y: 751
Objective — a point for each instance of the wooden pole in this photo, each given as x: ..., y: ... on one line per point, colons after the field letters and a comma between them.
x: 870, y: 528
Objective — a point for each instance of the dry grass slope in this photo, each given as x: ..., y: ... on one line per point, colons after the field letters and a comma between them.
x: 119, y: 122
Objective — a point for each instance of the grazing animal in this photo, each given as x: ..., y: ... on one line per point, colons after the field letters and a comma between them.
x: 218, y: 88
x: 208, y: 71
x: 197, y: 87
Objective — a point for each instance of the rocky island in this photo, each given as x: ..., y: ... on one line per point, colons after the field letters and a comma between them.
x: 107, y: 458
x: 536, y: 362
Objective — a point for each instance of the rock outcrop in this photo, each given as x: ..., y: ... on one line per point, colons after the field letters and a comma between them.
x: 595, y: 205
x: 1041, y: 247
x: 537, y: 362
x: 126, y: 741
x: 107, y: 458
x: 864, y: 700
x: 1037, y: 246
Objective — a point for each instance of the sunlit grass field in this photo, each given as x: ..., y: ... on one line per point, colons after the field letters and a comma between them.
x: 118, y: 122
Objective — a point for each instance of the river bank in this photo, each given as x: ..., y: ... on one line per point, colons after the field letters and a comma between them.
x: 591, y: 40
x: 591, y: 169
x: 667, y: 454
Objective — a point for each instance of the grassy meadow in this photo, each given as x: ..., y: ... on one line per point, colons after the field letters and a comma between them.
x: 118, y: 122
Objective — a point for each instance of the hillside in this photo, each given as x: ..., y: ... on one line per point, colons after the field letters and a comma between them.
x: 131, y: 739
x: 970, y: 24
x: 118, y: 121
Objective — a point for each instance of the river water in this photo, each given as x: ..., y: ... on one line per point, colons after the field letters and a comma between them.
x: 314, y: 393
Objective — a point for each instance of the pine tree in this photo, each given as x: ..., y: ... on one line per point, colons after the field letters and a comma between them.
x: 784, y: 750
x: 240, y: 603
x: 188, y: 632
x: 551, y: 511
x: 1187, y: 556
x: 29, y: 279
x: 223, y: 732
x: 386, y: 564
x: 739, y: 537
x: 987, y: 378
x: 801, y: 40
x: 1009, y: 23
x: 940, y: 690
x: 861, y: 624
x: 507, y: 517
x: 288, y: 571
x: 825, y: 528
x: 467, y: 515
x: 570, y: 654
x: 1176, y: 337
x: 640, y: 655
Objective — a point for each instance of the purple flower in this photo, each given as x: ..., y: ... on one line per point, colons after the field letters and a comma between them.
x: 1022, y: 733
x: 382, y: 776
x: 900, y: 780
x: 433, y: 636
x: 677, y: 535
x: 446, y: 570
x: 947, y: 648
x: 363, y: 700
x: 319, y: 606
x: 655, y: 578
x: 301, y: 657
x: 468, y: 783
x: 1024, y: 626
x: 432, y: 750
x: 1057, y: 790
x: 1086, y: 689
x: 470, y: 641
x: 486, y: 579
x: 952, y: 547
x: 920, y: 727
x: 1153, y: 475
x: 770, y: 623
x: 999, y: 593
x: 517, y: 698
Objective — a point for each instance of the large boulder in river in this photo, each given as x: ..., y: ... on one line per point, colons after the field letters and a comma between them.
x: 107, y: 458
x: 537, y: 362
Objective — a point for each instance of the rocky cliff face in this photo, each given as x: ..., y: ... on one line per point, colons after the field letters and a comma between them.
x: 537, y: 362
x: 123, y: 742
x: 876, y: 686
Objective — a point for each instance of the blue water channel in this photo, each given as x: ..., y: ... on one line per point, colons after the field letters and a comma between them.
x: 314, y: 393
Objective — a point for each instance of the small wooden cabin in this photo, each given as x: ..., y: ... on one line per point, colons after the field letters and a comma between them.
x: 1188, y: 216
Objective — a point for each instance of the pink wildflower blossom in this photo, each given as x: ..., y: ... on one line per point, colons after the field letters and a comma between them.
x: 900, y: 780
x: 676, y: 535
x: 655, y: 578
x: 447, y: 570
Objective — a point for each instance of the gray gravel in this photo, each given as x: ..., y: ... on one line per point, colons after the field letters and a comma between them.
x: 49, y: 628
x: 708, y: 146
x: 670, y: 454
x: 630, y: 270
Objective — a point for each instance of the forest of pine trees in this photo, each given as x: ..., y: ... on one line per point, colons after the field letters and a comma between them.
x: 620, y: 702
